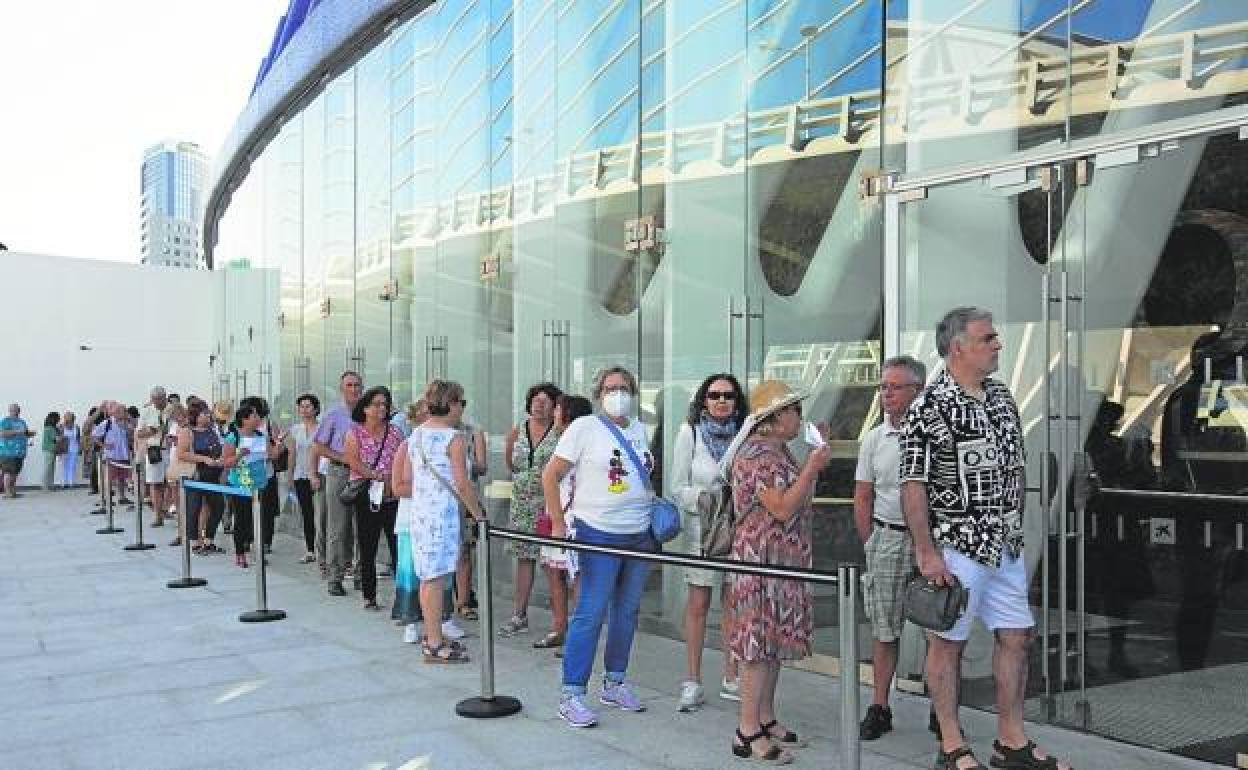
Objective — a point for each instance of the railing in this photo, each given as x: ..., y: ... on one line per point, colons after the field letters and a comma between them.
x: 1043, y: 90
x: 489, y: 704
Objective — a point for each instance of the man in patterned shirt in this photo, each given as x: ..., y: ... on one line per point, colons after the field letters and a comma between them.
x: 961, y: 478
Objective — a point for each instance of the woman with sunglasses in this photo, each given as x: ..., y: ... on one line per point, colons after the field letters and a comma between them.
x: 715, y: 415
x: 369, y: 449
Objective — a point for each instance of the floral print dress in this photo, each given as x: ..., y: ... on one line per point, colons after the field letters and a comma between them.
x: 774, y: 617
x: 431, y: 515
x: 526, y: 485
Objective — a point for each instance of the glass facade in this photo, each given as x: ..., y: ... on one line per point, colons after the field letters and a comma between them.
x: 504, y: 192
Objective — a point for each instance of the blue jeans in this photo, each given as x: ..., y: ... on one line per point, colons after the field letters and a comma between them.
x: 608, y: 583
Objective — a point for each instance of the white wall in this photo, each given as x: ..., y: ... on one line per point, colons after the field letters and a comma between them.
x: 145, y: 326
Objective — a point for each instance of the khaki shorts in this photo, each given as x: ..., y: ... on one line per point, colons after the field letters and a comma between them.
x: 890, y: 563
x: 691, y: 528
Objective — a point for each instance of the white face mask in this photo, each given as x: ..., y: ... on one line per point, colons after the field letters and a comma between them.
x: 617, y: 403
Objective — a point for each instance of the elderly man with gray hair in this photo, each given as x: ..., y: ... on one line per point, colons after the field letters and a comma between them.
x: 962, y: 464
x: 882, y: 528
x: 152, y: 453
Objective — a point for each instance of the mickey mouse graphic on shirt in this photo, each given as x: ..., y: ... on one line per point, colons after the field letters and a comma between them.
x: 618, y: 470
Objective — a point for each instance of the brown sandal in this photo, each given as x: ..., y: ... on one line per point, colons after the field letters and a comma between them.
x: 1023, y: 758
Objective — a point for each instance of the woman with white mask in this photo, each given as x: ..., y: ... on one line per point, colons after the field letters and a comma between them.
x: 611, y: 505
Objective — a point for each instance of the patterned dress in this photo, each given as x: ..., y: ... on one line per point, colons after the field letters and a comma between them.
x: 774, y: 617
x: 526, y: 485
x: 431, y: 515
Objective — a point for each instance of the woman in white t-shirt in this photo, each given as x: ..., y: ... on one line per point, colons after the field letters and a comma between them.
x: 611, y: 505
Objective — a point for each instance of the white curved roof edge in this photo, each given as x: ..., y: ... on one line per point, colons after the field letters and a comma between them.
x: 334, y: 36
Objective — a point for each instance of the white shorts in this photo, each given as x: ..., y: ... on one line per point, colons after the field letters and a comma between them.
x: 154, y: 473
x: 998, y: 597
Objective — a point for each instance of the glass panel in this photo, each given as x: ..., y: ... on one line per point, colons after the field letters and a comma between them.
x: 372, y: 220
x: 812, y: 278
x: 1164, y: 412
x: 314, y: 283
x: 963, y: 246
x: 689, y: 237
x: 337, y: 228
x: 1142, y: 62
x: 971, y: 81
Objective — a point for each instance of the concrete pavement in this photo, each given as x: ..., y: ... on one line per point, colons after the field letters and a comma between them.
x: 102, y: 666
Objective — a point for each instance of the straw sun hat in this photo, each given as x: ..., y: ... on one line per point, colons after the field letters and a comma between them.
x: 769, y: 397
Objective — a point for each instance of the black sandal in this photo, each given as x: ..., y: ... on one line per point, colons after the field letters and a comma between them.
x: 950, y: 761
x: 444, y: 653
x: 788, y: 739
x: 1020, y: 759
x: 774, y: 755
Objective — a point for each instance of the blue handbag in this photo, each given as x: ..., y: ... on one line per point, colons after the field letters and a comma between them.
x: 664, y: 515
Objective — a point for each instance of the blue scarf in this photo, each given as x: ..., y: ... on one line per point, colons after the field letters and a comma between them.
x: 716, y: 434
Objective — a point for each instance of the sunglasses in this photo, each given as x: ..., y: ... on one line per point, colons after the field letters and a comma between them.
x: 720, y: 395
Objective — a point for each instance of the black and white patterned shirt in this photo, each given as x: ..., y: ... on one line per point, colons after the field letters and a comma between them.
x: 970, y: 455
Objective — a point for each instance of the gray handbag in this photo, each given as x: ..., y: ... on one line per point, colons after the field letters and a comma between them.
x: 936, y: 608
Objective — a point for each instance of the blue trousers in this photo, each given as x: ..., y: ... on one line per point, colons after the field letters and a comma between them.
x: 610, y: 590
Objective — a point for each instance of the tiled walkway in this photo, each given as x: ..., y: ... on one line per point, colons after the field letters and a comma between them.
x: 102, y: 666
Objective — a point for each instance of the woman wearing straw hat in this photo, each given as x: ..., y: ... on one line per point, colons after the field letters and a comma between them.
x: 774, y: 617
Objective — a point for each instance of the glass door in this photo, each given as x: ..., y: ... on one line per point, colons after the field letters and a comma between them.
x: 1117, y: 280
x: 996, y: 241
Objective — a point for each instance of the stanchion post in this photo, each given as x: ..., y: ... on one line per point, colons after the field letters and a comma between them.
x: 110, y: 529
x: 489, y: 704
x: 262, y: 613
x: 847, y: 588
x: 99, y: 480
x: 140, y: 482
x: 186, y: 581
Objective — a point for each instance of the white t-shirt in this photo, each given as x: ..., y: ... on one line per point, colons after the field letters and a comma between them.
x: 879, y: 460
x: 608, y: 495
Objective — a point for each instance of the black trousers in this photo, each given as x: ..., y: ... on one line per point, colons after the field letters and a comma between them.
x: 270, y: 509
x: 303, y: 492
x: 196, y: 499
x: 369, y: 525
x: 240, y: 510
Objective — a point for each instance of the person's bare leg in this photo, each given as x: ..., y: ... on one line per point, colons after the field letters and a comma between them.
x: 159, y: 504
x: 697, y: 604
x: 883, y: 665
x: 431, y: 607
x: 726, y: 620
x: 524, y: 587
x: 944, y: 670
x: 1009, y: 671
x: 555, y: 582
x: 767, y: 699
x: 753, y: 684
x: 463, y: 576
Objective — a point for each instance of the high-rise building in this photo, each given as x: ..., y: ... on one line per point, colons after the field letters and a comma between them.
x: 172, y: 204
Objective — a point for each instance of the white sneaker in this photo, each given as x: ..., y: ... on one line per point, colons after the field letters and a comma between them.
x: 411, y: 634
x: 730, y: 689
x: 691, y: 696
x: 452, y: 631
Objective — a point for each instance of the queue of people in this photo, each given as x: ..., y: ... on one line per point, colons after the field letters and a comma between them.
x: 938, y: 489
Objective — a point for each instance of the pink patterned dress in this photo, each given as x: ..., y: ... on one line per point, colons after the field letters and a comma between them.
x: 774, y: 617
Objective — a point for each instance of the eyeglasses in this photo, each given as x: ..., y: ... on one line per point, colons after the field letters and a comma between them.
x: 617, y: 389
x: 720, y: 395
x: 888, y: 387
x: 462, y: 402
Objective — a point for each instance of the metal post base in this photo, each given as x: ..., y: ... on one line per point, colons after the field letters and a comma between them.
x: 189, y: 582
x: 138, y: 547
x: 109, y: 530
x: 488, y: 708
x: 262, y: 616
